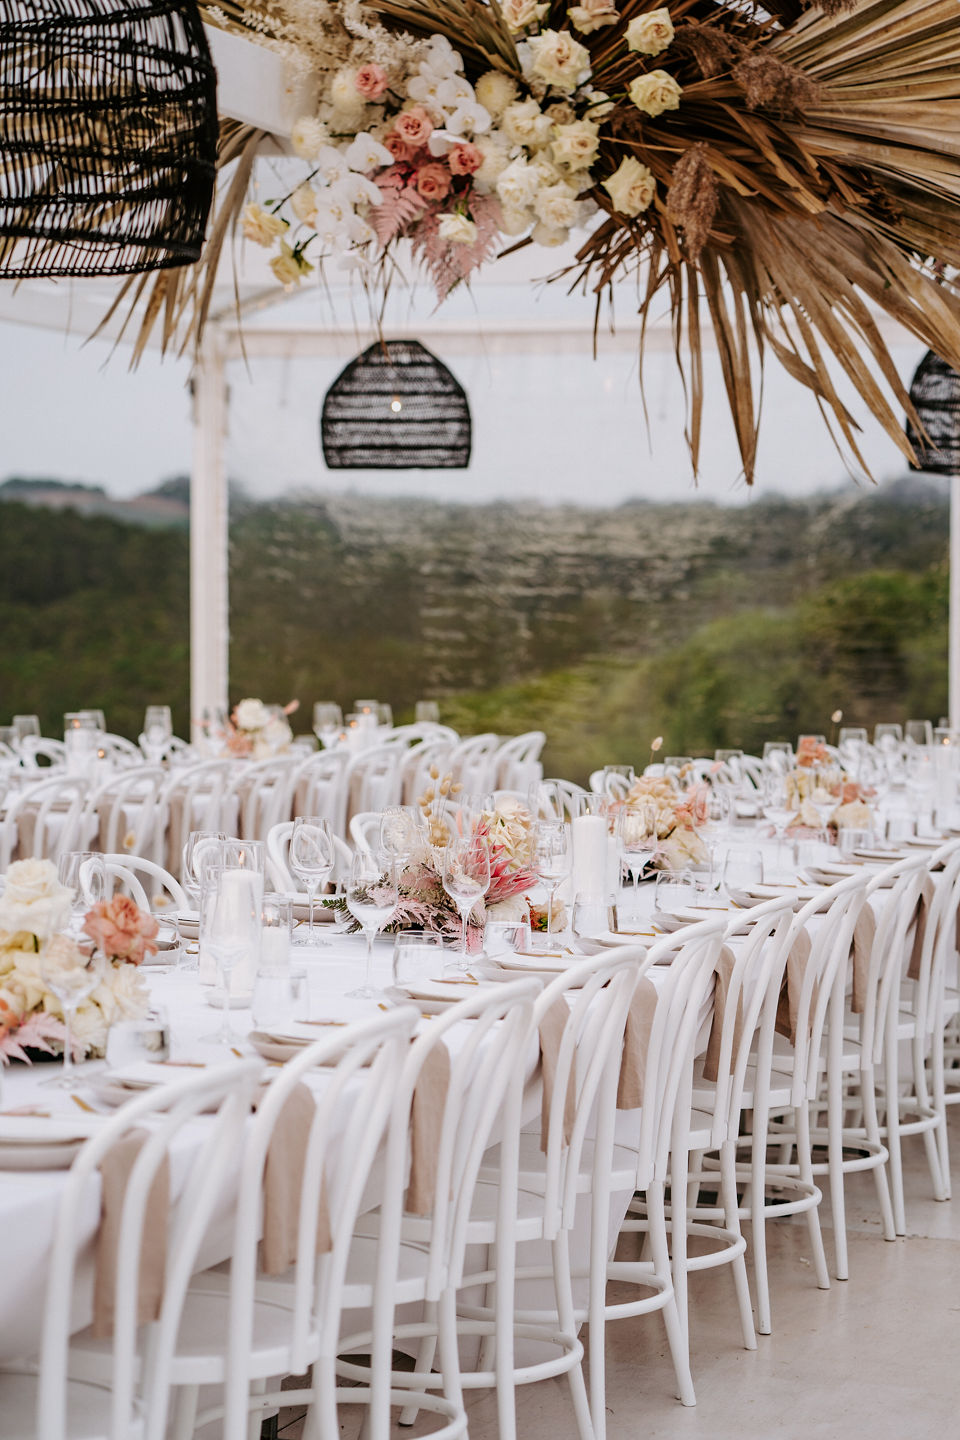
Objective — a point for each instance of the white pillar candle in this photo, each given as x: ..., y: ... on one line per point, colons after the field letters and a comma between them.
x: 589, y: 834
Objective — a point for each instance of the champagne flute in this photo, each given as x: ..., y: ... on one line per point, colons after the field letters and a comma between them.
x: 466, y: 879
x: 372, y: 898
x: 312, y: 857
x: 72, y: 974
x: 553, y: 860
x: 637, y: 842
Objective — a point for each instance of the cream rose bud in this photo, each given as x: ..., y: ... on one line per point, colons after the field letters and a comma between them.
x: 303, y: 203
x: 631, y: 187
x: 649, y: 34
x: 547, y: 235
x: 262, y: 227
x: 308, y: 137
x: 520, y: 14
x: 495, y: 92
x: 592, y: 15
x: 457, y: 229
x: 557, y: 206
x: 524, y: 123
x: 575, y: 145
x: 655, y: 92
x: 558, y: 59
x: 518, y: 185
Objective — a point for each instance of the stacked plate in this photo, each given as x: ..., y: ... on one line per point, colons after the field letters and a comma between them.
x: 33, y: 1142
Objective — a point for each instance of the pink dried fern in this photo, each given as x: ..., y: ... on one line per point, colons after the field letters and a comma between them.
x: 400, y: 208
x: 448, y: 264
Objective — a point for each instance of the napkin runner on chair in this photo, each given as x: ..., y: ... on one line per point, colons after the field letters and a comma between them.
x: 864, y: 934
x: 426, y: 1119
x: 636, y: 1042
x: 551, y: 1029
x: 921, y: 918
x: 789, y: 1002
x: 724, y: 972
x: 115, y: 1169
x: 283, y: 1183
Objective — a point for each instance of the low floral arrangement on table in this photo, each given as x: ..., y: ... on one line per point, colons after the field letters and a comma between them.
x: 853, y: 812
x: 678, y: 813
x: 425, y: 905
x: 258, y: 731
x: 34, y: 908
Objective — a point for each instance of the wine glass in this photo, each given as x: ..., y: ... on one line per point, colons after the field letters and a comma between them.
x: 72, y: 974
x: 919, y: 732
x: 85, y: 873
x: 888, y: 737
x: 741, y: 870
x: 466, y: 878
x: 553, y: 859
x: 675, y: 890
x: 372, y: 898
x: 403, y: 831
x: 202, y: 848
x: 636, y: 842
x: 776, y: 803
x: 312, y: 857
x: 384, y: 715
x: 232, y: 930
x: 327, y: 722
x: 426, y: 712
x: 417, y: 955
x: 157, y: 730
x: 777, y: 755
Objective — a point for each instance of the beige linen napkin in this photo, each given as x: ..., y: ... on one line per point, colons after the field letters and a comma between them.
x: 797, y: 960
x: 921, y: 916
x: 636, y: 1042
x: 724, y: 972
x: 283, y: 1182
x: 115, y: 1169
x: 426, y: 1120
x: 552, y: 1027
x: 864, y: 933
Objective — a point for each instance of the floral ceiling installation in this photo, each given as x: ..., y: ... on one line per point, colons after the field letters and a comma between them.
x: 784, y: 171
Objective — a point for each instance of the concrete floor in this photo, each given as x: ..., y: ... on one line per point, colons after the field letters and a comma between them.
x: 875, y: 1357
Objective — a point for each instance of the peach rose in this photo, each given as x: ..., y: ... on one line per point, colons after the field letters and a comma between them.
x: 433, y: 181
x: 371, y: 81
x: 414, y: 126
x: 464, y: 158
x: 399, y: 149
x: 120, y: 930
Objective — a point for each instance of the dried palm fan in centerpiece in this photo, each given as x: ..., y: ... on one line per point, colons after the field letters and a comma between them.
x: 786, y: 171
x: 108, y: 136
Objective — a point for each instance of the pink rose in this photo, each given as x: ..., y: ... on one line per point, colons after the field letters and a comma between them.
x: 464, y: 158
x: 371, y: 81
x: 121, y: 930
x: 414, y: 126
x: 398, y: 148
x: 433, y: 181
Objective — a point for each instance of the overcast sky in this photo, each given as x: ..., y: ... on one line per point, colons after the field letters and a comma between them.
x: 548, y: 427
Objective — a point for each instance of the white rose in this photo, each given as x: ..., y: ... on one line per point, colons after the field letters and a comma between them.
x: 457, y: 229
x: 547, y: 173
x: 308, y: 137
x: 649, y: 34
x: 515, y: 221
x: 655, y: 92
x: 495, y: 92
x: 592, y: 15
x: 512, y: 911
x: 89, y: 1029
x: 524, y: 123
x: 303, y: 203
x: 251, y: 714
x: 518, y: 184
x: 495, y: 161
x: 557, y: 206
x: 575, y: 145
x: 600, y: 105
x: 519, y: 14
x: 559, y: 60
x: 547, y: 235
x: 262, y: 227
x: 34, y: 900
x: 631, y: 187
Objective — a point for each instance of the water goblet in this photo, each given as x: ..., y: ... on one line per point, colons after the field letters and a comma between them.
x: 466, y: 879
x: 637, y: 839
x: 417, y: 956
x: 85, y: 873
x: 202, y: 848
x: 372, y: 898
x: 231, y: 933
x: 312, y: 858
x: 675, y: 890
x: 403, y: 831
x: 742, y: 869
x: 592, y: 915
x: 25, y: 725
x: 553, y: 861
x: 72, y: 974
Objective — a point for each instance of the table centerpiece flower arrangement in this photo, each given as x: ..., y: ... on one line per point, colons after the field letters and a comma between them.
x: 678, y: 811
x: 34, y: 909
x: 257, y: 731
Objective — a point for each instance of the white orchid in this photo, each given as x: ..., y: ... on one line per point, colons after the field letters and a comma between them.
x: 364, y: 153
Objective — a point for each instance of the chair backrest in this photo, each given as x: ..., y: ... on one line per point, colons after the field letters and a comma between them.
x: 362, y: 1066
x: 365, y: 830
x: 831, y: 916
x: 472, y: 765
x: 517, y: 761
x: 260, y: 795
x: 417, y: 762
x: 194, y: 801
x: 34, y: 748
x: 49, y: 816
x: 372, y: 779
x: 129, y: 811
x: 150, y: 884
x: 281, y: 877
x: 570, y: 796
x: 897, y: 889
x: 121, y: 751
x: 319, y: 788
x: 227, y: 1090
x: 939, y: 939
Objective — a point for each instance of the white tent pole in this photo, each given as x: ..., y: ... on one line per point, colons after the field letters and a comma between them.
x: 954, y: 640
x: 209, y: 634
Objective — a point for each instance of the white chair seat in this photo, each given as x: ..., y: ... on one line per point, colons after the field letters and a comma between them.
x: 623, y: 1169
x: 88, y: 1410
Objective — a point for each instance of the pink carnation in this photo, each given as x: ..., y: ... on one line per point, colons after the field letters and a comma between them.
x: 433, y: 181
x: 121, y: 930
x: 371, y: 81
x: 464, y: 158
x: 414, y: 126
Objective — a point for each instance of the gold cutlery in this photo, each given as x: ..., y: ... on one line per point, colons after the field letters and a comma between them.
x: 83, y: 1104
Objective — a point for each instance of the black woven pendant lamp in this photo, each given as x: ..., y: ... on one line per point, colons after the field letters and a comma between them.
x: 935, y: 393
x: 396, y: 407
x: 108, y: 136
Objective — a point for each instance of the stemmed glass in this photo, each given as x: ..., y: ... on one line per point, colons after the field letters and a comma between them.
x: 553, y: 860
x: 232, y: 928
x: 202, y: 849
x: 157, y: 730
x: 85, y: 873
x: 776, y: 805
x: 25, y: 725
x: 312, y: 857
x: 372, y: 898
x: 636, y: 842
x: 466, y: 879
x: 403, y: 831
x: 327, y: 722
x: 72, y: 975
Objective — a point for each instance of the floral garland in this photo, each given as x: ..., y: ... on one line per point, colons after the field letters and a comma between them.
x: 34, y: 908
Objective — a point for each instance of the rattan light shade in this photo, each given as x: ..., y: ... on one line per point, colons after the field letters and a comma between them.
x: 396, y: 407
x: 935, y: 392
x: 108, y: 136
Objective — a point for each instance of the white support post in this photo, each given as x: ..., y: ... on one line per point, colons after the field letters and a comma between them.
x: 209, y: 616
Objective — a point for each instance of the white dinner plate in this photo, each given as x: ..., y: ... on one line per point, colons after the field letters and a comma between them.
x: 31, y: 1142
x: 533, y: 962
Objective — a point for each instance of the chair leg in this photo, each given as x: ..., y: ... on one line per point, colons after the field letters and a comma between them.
x: 257, y: 1387
x: 426, y: 1351
x: 838, y: 1206
x: 731, y: 1219
x: 930, y: 1137
x: 322, y: 1421
x: 446, y: 1314
x: 805, y: 1168
x: 596, y: 1315
x: 184, y: 1420
x: 563, y: 1291
x: 679, y: 1159
x: 676, y: 1337
x: 939, y: 1104
x: 871, y: 1127
x: 758, y: 1219
x: 891, y: 1079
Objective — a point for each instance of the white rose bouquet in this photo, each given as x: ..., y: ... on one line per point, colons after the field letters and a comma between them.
x: 258, y: 731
